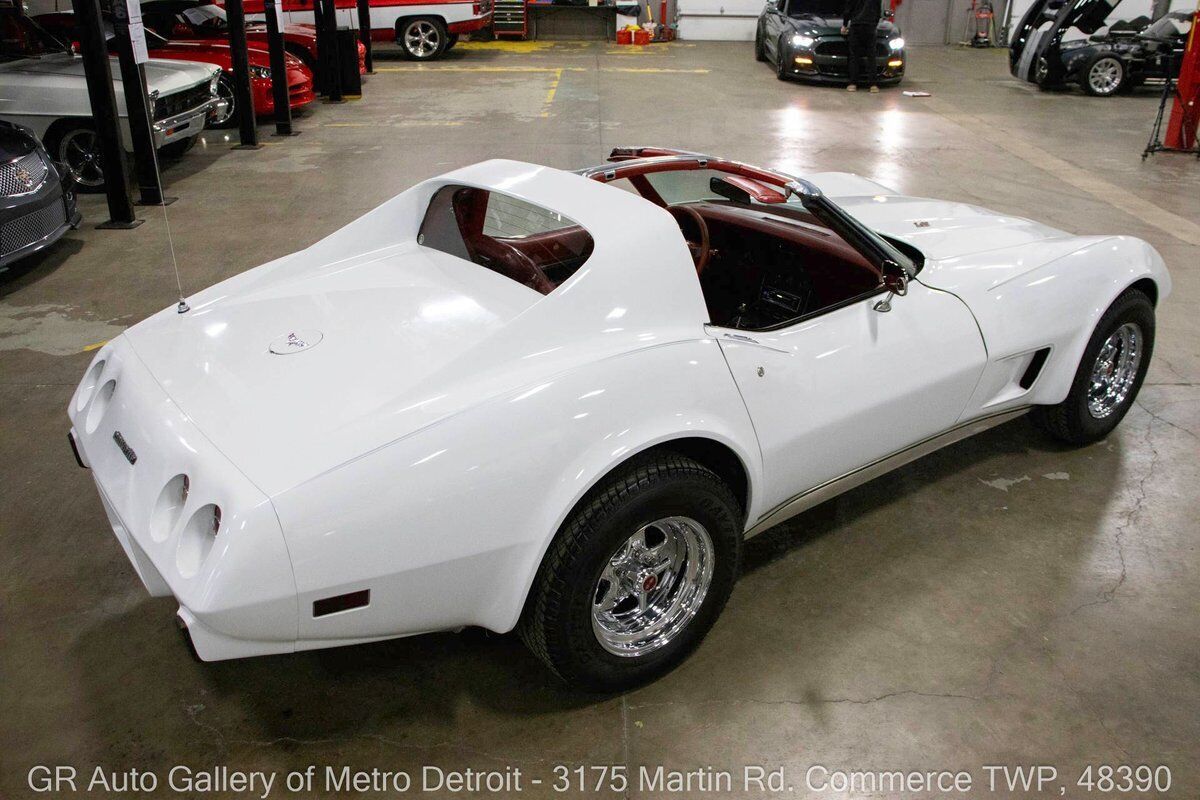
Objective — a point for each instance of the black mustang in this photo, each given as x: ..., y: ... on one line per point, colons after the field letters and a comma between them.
x: 803, y: 39
x: 35, y: 207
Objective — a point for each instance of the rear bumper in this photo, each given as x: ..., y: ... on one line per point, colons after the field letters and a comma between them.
x: 234, y: 588
x: 468, y: 25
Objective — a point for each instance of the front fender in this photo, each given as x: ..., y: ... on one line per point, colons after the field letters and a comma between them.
x: 1056, y: 305
x: 447, y: 527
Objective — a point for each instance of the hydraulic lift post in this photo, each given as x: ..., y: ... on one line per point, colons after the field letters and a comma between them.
x: 137, y: 106
x: 247, y: 130
x: 98, y: 74
x: 279, y: 88
x: 364, y: 32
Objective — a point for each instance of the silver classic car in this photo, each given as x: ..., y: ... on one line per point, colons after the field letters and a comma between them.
x: 42, y: 87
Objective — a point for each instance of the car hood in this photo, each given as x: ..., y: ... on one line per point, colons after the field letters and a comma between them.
x: 219, y: 54
x: 363, y: 346
x: 816, y: 25
x: 14, y: 142
x: 162, y: 75
x: 968, y: 250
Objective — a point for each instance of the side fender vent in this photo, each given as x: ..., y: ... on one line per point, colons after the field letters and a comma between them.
x: 342, y: 602
x: 1035, y: 368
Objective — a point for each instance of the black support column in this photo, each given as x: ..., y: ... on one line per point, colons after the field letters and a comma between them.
x: 139, y: 113
x: 247, y: 130
x: 104, y: 113
x: 279, y: 85
x: 364, y: 32
x: 327, y: 50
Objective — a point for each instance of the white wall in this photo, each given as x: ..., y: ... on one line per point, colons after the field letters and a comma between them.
x: 722, y: 20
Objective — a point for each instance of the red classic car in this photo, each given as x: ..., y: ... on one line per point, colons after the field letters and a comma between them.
x: 202, y: 19
x: 299, y: 78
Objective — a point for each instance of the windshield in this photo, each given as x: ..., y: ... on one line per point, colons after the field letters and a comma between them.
x: 818, y: 8
x: 20, y: 37
x: 689, y: 186
x: 207, y: 17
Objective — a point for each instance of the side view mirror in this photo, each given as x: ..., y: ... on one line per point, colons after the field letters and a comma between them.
x: 895, y: 280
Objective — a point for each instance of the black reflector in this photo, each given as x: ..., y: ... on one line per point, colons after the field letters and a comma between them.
x: 341, y: 602
x: 1035, y: 367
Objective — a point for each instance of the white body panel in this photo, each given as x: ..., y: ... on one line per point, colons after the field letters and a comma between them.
x: 384, y: 16
x: 432, y: 442
x: 38, y: 92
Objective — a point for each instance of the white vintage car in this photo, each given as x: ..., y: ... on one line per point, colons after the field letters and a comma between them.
x: 519, y: 397
x: 42, y: 87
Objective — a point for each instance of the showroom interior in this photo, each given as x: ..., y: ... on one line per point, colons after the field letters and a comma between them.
x: 1008, y: 605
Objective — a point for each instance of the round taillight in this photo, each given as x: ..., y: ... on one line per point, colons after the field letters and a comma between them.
x: 99, y: 406
x: 88, y: 388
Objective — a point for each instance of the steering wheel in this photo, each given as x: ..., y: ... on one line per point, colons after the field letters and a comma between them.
x: 701, y: 250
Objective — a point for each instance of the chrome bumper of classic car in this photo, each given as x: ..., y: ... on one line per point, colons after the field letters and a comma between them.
x: 185, y: 124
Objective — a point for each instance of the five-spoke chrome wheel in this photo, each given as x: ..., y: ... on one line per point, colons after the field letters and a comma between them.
x: 1115, y: 370
x: 422, y: 39
x: 652, y: 586
x: 79, y: 155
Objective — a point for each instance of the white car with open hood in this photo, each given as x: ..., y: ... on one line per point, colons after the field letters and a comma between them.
x: 520, y: 397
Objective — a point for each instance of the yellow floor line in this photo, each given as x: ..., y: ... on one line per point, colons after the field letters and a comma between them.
x: 551, y: 92
x: 95, y: 346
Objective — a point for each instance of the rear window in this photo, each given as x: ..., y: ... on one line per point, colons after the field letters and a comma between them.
x: 531, y: 245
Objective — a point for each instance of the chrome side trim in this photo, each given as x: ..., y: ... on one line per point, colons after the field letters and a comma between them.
x: 832, y: 488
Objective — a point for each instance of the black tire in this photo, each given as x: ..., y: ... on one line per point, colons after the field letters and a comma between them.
x: 70, y: 144
x: 177, y: 149
x: 421, y: 38
x: 557, y: 622
x: 226, y: 92
x: 781, y: 62
x: 759, y: 53
x: 1071, y: 421
x: 1104, y: 75
x: 451, y: 40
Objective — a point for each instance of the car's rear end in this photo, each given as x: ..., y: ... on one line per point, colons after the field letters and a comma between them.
x: 193, y: 526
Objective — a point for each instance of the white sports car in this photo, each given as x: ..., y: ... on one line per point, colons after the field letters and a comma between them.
x: 519, y: 397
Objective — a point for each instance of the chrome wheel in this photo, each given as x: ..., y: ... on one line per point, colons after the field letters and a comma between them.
x: 1115, y: 370
x: 1105, y: 76
x: 422, y: 39
x: 652, y: 586
x: 79, y: 154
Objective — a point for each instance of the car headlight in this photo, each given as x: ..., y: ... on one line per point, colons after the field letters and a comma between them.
x: 1073, y: 44
x: 896, y: 44
x: 803, y: 41
x: 260, y: 72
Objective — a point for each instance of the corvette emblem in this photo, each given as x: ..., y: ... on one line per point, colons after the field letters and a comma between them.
x: 126, y: 450
x: 295, y: 342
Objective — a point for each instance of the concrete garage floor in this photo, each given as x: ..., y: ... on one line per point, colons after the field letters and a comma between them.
x: 1004, y: 601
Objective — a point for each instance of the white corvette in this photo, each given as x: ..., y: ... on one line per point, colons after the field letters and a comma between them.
x: 518, y: 397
